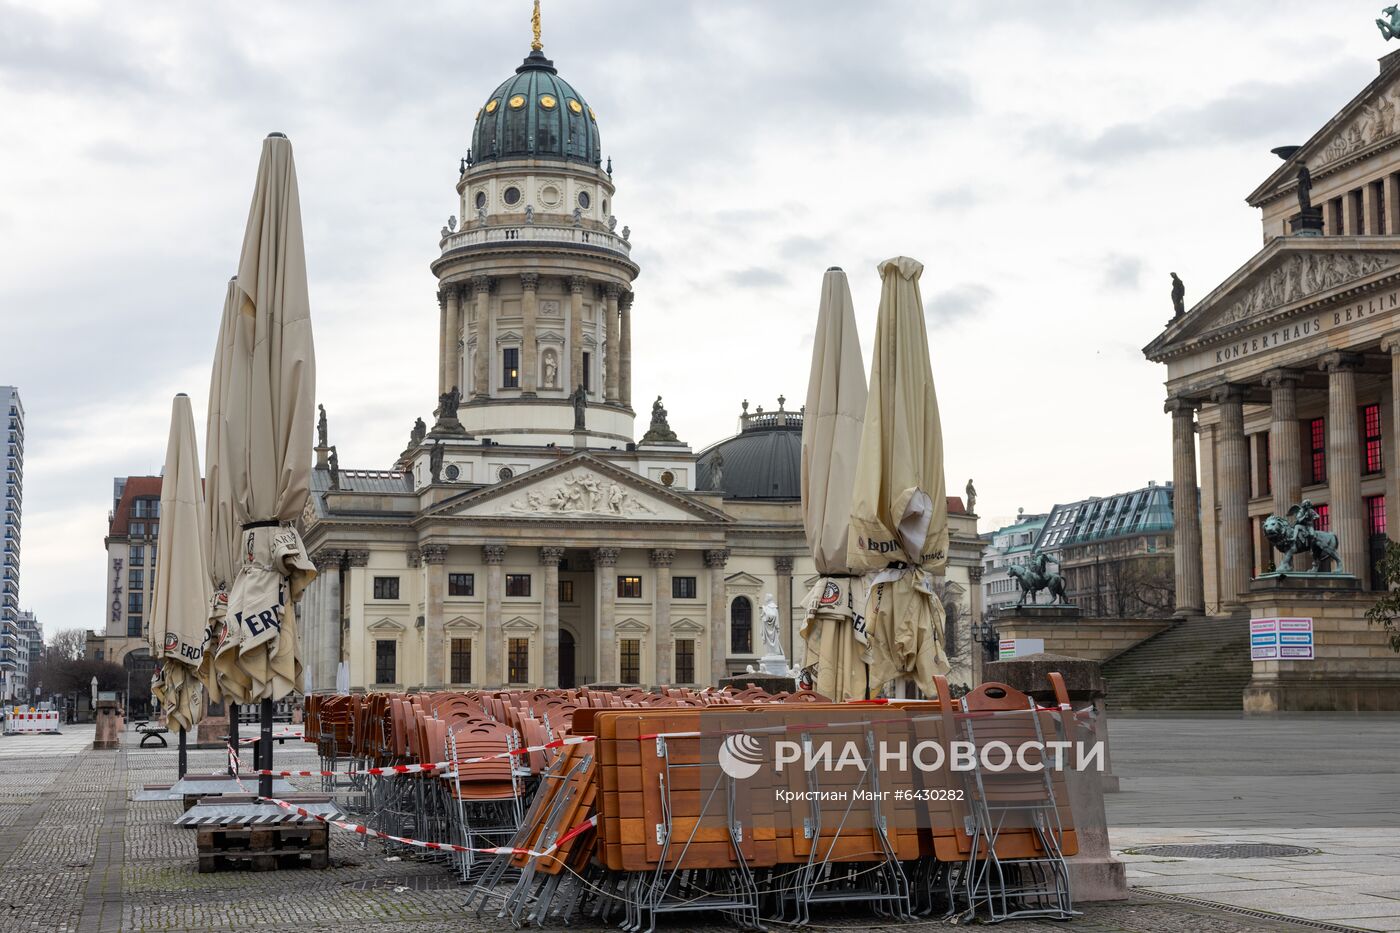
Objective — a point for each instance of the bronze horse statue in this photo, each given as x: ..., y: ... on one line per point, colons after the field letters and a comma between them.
x: 1296, y: 538
x: 1032, y: 581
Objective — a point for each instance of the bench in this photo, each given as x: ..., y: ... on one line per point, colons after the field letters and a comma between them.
x: 150, y: 733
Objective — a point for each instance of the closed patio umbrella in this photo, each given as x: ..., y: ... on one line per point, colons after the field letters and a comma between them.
x: 268, y: 419
x: 899, y: 514
x: 831, y: 429
x: 180, y: 596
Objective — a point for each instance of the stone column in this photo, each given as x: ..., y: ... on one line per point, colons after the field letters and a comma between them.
x: 605, y: 584
x: 1236, y: 569
x: 783, y: 565
x: 481, y: 373
x: 1370, y: 207
x: 661, y: 559
x: 719, y: 628
x: 1390, y: 204
x: 1285, y: 442
x: 359, y: 652
x: 454, y: 329
x: 442, y: 340
x: 1348, y: 519
x: 327, y: 618
x: 1350, y: 222
x: 576, y: 286
x: 494, y: 634
x: 1186, y: 509
x: 624, y: 378
x: 549, y: 560
x: 434, y: 634
x: 529, y: 352
x: 1391, y: 344
x: 614, y: 345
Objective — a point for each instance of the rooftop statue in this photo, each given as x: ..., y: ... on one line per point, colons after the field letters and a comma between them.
x: 420, y: 431
x: 971, y: 491
x: 1305, y: 186
x: 660, y: 430
x: 435, y: 462
x: 1390, y: 28
x: 321, y: 430
x: 1178, y: 296
x: 1298, y: 534
x: 448, y: 402
x: 334, y: 460
x: 580, y: 402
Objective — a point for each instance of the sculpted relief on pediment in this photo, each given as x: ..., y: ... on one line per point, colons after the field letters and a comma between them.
x: 1299, y: 276
x: 1375, y: 122
x: 581, y: 493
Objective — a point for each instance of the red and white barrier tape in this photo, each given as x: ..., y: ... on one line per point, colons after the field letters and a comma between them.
x: 279, y: 735
x: 1086, y: 713
x: 391, y: 770
x: 434, y: 846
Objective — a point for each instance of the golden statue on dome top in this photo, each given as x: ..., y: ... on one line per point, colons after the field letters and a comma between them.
x: 537, y: 45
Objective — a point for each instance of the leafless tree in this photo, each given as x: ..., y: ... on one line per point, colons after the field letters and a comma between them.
x: 69, y: 644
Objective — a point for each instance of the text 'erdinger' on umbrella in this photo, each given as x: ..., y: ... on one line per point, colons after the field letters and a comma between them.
x: 831, y: 426
x: 899, y: 512
x: 266, y: 424
x: 180, y: 598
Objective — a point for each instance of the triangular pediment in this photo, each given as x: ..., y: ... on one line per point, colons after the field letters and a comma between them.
x: 462, y: 625
x: 687, y: 627
x: 580, y: 488
x: 387, y: 627
x: 631, y: 626
x: 1368, y: 123
x: 520, y: 626
x: 743, y: 579
x: 1289, y: 274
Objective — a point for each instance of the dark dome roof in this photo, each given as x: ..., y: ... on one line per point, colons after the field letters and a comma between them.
x: 763, y: 461
x: 535, y: 114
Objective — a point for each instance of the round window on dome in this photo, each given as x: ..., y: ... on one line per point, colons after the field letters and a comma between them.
x: 453, y: 472
x: 605, y: 205
x: 548, y: 102
x: 575, y: 106
x: 512, y: 195
x: 517, y: 102
x: 492, y: 104
x: 668, y: 478
x: 549, y: 194
x: 480, y: 200
x: 584, y: 200
x: 504, y: 474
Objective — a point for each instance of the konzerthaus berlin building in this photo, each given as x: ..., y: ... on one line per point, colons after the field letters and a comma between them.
x: 1287, y: 374
x: 528, y: 537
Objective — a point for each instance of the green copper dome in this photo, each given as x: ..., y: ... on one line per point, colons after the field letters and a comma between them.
x: 535, y: 114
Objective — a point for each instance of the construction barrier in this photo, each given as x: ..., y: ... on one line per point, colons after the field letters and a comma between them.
x: 31, y: 722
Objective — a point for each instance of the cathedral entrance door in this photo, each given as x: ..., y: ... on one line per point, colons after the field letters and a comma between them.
x: 566, y: 658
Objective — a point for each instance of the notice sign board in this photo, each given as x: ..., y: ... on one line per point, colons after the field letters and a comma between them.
x: 1018, y: 647
x: 1281, y: 639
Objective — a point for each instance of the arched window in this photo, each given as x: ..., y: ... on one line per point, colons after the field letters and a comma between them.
x: 741, y: 626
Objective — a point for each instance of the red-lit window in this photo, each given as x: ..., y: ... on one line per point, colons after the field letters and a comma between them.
x: 1317, y: 445
x: 1371, y: 457
x: 1324, y: 517
x: 1375, y: 515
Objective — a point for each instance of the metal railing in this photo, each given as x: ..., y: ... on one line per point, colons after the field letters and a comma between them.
x: 536, y: 233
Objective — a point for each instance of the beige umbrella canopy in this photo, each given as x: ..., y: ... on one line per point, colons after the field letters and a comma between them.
x: 899, y: 515
x: 217, y: 670
x: 831, y: 427
x: 267, y: 423
x: 180, y: 597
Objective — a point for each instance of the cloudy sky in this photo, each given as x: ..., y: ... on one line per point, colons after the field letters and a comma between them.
x: 1048, y: 163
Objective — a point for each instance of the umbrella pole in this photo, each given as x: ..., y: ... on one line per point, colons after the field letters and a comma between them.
x: 184, y: 754
x: 232, y: 735
x: 265, y: 746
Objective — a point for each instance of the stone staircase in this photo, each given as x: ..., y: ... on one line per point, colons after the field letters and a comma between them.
x: 1197, y: 664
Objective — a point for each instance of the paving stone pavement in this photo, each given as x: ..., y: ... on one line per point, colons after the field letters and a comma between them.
x: 78, y: 855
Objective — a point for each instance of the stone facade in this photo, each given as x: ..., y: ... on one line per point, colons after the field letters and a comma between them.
x: 132, y: 540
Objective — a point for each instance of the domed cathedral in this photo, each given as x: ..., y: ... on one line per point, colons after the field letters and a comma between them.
x: 526, y: 535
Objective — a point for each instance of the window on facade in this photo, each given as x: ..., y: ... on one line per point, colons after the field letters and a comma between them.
x: 510, y: 367
x: 741, y: 626
x: 1267, y: 480
x: 1372, y: 460
x: 1375, y: 515
x: 386, y: 661
x: 135, y: 602
x: 155, y: 529
x: 461, y: 584
x: 685, y: 660
x: 461, y: 660
x: 136, y: 580
x: 1324, y: 517
x: 1317, y: 446
x: 630, y: 667
x: 566, y: 591
x: 386, y: 588
x: 517, y: 584
x: 629, y: 587
x: 153, y: 555
x: 587, y: 371
x: 683, y: 588
x: 138, y: 529
x: 133, y: 627
x: 518, y: 661
x: 136, y: 555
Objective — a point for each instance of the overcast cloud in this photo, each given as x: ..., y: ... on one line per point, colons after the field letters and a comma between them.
x: 1049, y: 168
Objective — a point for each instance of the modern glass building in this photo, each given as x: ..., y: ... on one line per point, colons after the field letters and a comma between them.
x: 11, y: 641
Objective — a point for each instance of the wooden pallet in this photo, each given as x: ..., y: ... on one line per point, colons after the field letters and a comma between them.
x: 263, y: 848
